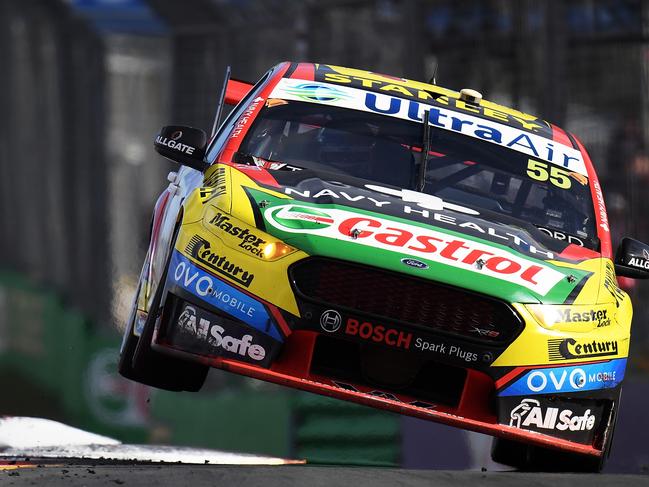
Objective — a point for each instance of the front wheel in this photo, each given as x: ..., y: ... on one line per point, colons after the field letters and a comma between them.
x: 139, y: 362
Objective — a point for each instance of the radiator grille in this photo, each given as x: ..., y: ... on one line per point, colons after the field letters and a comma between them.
x: 403, y: 298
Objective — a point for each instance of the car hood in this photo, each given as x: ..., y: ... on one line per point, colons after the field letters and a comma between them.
x: 421, y: 235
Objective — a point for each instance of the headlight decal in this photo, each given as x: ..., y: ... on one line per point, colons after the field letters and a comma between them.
x: 244, y: 238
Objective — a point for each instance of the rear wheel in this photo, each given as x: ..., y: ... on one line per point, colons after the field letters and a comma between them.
x: 139, y: 362
x: 538, y: 459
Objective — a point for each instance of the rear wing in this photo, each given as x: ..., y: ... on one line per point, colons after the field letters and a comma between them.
x: 236, y: 90
x: 233, y: 92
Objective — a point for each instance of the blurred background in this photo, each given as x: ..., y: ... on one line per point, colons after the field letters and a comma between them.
x: 85, y: 85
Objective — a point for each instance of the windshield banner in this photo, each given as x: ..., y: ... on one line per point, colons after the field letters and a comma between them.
x: 356, y: 99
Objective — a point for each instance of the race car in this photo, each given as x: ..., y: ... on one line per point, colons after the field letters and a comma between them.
x: 395, y: 244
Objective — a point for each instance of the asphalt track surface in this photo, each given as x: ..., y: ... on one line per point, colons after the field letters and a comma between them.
x: 285, y: 476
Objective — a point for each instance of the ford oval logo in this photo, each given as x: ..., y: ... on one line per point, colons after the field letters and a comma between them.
x: 414, y: 263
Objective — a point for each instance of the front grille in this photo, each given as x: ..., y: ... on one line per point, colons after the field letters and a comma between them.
x: 392, y: 371
x: 403, y: 298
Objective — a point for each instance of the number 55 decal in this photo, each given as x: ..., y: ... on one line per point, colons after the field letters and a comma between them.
x: 542, y: 171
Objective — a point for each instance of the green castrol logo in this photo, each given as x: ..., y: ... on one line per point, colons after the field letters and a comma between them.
x: 416, y: 242
x: 300, y: 217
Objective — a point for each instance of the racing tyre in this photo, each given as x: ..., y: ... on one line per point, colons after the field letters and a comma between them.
x: 139, y: 362
x: 125, y: 366
x: 536, y: 459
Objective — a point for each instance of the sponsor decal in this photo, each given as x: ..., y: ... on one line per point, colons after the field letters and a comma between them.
x: 249, y: 241
x: 576, y: 315
x: 217, y: 336
x: 242, y: 346
x: 639, y: 262
x: 378, y: 333
x: 330, y: 321
x: 245, y: 117
x: 529, y: 414
x: 433, y: 95
x: 172, y: 144
x: 214, y: 185
x: 420, y: 242
x: 219, y: 294
x: 328, y: 194
x: 417, y: 264
x: 177, y: 135
x: 303, y: 218
x: 588, y: 377
x: 204, y: 333
x: 453, y: 351
x: 187, y: 321
x: 423, y: 200
x: 601, y: 209
x: 565, y: 237
x: 216, y: 178
x: 610, y: 283
x: 369, y: 329
x: 513, y: 138
x: 201, y: 250
x: 423, y: 208
x: 570, y: 348
x: 382, y: 395
x: 485, y: 332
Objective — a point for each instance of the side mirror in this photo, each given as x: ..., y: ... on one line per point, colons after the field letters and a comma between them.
x: 632, y: 259
x: 185, y: 145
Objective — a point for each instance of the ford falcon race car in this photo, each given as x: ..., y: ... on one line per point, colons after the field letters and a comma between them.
x: 396, y: 244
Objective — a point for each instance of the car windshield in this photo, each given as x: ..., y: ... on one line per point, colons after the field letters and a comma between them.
x: 460, y: 169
